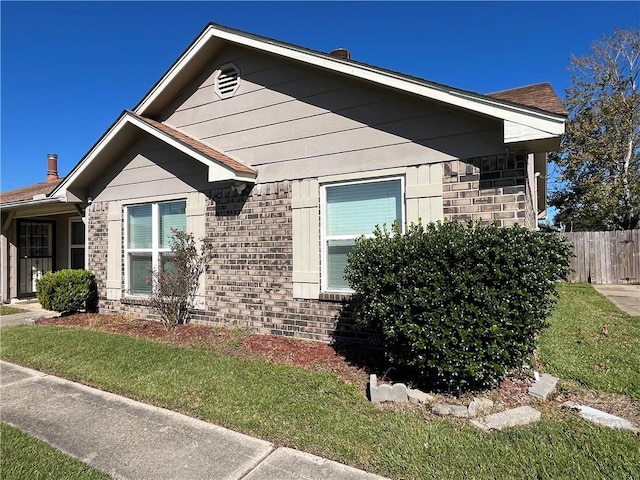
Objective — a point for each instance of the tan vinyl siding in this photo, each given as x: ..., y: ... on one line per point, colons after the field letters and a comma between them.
x: 150, y: 168
x: 293, y: 121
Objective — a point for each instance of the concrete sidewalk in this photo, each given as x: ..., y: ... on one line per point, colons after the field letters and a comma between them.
x: 132, y: 440
x: 625, y: 297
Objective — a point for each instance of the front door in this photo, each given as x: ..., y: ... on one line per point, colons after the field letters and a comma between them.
x: 35, y: 253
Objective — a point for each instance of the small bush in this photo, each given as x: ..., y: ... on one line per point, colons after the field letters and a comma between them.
x: 67, y: 291
x: 456, y: 304
x: 176, y: 283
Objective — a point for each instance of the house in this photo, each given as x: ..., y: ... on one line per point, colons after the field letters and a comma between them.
x: 281, y: 156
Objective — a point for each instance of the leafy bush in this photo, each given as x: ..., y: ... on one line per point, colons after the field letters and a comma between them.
x: 456, y: 304
x: 175, y: 284
x: 67, y: 291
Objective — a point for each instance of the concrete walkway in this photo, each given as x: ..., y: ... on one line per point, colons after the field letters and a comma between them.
x: 32, y: 310
x: 132, y: 440
x: 625, y: 297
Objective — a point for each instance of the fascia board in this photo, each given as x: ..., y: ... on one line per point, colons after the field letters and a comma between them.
x: 551, y: 123
x: 113, y: 131
x: 216, y: 172
x: 31, y: 203
x: 173, y: 71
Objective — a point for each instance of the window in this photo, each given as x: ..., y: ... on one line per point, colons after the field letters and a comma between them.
x: 350, y: 211
x: 147, y: 238
x: 226, y: 80
x: 76, y: 244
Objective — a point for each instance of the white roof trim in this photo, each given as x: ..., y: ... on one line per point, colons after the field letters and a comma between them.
x: 30, y: 202
x: 537, y: 119
x: 216, y: 171
x: 516, y: 132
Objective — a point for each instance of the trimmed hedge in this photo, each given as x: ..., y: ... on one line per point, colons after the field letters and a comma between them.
x: 67, y: 291
x: 456, y: 304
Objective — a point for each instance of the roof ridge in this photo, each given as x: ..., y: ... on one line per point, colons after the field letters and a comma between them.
x: 538, y: 84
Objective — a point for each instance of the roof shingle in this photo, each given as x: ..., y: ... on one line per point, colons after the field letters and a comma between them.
x: 540, y: 96
x: 28, y: 192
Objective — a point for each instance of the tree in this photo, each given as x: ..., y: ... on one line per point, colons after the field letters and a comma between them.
x: 599, y: 163
x: 175, y: 284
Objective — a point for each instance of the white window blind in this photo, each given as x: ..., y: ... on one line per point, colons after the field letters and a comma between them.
x: 356, y: 209
x: 148, y: 239
x: 140, y: 226
x: 353, y: 210
x: 172, y: 215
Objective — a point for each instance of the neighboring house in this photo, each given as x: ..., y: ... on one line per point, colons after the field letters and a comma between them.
x: 39, y: 234
x: 282, y: 156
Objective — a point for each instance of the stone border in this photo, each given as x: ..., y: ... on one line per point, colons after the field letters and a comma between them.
x: 479, y: 410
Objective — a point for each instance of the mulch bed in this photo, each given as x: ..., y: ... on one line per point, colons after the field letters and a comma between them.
x: 352, y: 364
x: 308, y: 354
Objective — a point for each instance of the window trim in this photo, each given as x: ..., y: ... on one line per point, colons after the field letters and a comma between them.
x: 155, y: 249
x: 324, y: 287
x: 77, y: 245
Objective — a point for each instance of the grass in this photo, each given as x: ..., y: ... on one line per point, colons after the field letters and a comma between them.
x: 23, y: 456
x: 7, y: 310
x: 320, y: 414
x: 573, y: 348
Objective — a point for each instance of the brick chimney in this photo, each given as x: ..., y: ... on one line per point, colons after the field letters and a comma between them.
x: 341, y: 53
x: 52, y: 167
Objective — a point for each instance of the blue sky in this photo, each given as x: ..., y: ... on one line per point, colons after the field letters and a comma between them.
x: 70, y: 68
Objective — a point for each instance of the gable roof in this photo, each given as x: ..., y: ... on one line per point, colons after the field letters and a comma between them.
x: 198, y: 146
x: 522, y: 121
x: 527, y: 120
x: 221, y: 167
x: 540, y: 96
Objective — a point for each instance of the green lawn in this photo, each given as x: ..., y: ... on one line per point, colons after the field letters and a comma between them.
x: 25, y: 457
x: 7, y: 310
x: 574, y: 348
x: 319, y: 414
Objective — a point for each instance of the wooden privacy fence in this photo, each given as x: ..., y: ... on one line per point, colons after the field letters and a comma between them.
x: 605, y: 257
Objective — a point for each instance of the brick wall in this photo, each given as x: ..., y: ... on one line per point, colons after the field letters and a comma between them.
x: 487, y: 188
x: 97, y: 244
x: 249, y: 282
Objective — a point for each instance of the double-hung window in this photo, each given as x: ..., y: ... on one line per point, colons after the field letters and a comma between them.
x: 147, y: 241
x: 352, y: 210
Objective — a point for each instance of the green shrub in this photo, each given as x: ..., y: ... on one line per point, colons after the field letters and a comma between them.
x: 456, y: 304
x: 67, y: 291
x: 175, y: 284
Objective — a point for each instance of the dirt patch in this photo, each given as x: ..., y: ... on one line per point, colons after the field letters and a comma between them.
x: 350, y: 363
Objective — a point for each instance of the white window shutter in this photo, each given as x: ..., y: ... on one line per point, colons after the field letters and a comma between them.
x: 114, y: 251
x: 305, y: 206
x: 424, y: 193
x: 196, y: 224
